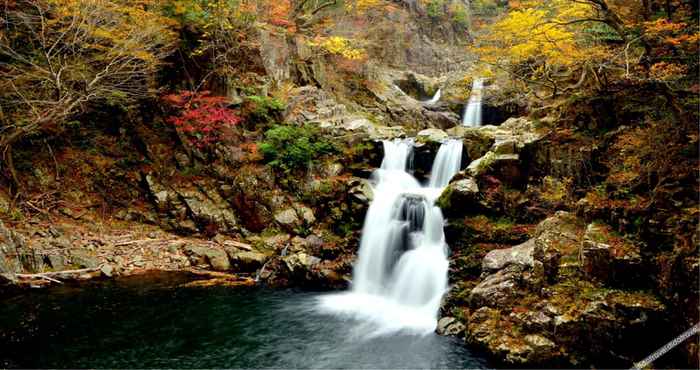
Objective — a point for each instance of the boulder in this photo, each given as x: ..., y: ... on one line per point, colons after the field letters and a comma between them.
x: 498, y: 259
x: 300, y: 264
x: 83, y: 258
x: 287, y: 218
x: 450, y: 326
x: 609, y: 258
x: 361, y: 190
x: 245, y: 261
x: 431, y: 135
x: 56, y: 261
x: 509, y: 346
x: 107, y: 270
x: 206, y: 257
x: 460, y: 195
x: 498, y: 289
x: 293, y: 218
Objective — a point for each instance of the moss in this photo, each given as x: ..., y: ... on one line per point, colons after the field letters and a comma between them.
x: 444, y: 201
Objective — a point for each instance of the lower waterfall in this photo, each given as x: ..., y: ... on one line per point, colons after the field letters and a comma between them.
x: 401, y: 271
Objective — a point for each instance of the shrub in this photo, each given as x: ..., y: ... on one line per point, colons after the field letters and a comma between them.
x: 201, y: 117
x: 435, y: 8
x: 263, y: 109
x: 292, y: 147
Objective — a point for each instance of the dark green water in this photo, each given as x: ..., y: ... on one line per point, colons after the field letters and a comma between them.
x: 152, y: 322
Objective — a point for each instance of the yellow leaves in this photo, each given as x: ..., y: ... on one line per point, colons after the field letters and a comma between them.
x: 340, y: 46
x: 548, y: 32
x: 362, y: 6
x: 117, y: 28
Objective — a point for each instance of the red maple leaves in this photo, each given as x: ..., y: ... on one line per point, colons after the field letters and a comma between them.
x: 202, y: 117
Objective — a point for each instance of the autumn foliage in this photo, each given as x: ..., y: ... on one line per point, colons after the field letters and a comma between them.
x: 562, y: 45
x: 202, y: 118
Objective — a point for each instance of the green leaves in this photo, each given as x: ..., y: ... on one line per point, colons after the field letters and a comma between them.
x: 292, y: 147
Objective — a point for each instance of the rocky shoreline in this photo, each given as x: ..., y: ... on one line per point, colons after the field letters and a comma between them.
x: 532, y: 286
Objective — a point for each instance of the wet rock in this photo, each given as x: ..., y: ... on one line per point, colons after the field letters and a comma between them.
x: 83, y: 258
x: 459, y: 195
x: 361, y: 190
x: 107, y: 270
x: 506, y: 145
x: 498, y: 289
x: 245, y: 261
x: 542, y: 348
x: 300, y: 264
x: 206, y: 257
x: 450, y: 326
x: 431, y: 135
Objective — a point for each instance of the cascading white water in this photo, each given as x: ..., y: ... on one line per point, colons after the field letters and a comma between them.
x: 435, y: 98
x: 472, y: 111
x: 401, y: 270
x: 446, y: 164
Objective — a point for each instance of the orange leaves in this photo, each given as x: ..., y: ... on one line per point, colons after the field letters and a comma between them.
x: 668, y: 71
x: 663, y: 26
x: 279, y: 12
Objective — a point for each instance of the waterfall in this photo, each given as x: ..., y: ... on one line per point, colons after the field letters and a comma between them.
x: 446, y: 164
x: 435, y: 98
x: 401, y: 271
x: 472, y: 111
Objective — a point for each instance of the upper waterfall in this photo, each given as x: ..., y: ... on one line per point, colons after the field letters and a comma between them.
x: 435, y: 98
x: 401, y: 271
x: 472, y: 111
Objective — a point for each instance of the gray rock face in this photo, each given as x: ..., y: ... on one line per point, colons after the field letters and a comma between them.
x: 498, y: 289
x: 11, y: 244
x: 206, y: 257
x: 608, y: 258
x: 498, y: 259
x: 192, y: 208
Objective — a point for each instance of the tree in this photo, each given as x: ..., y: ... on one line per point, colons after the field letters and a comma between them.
x: 59, y: 56
x: 561, y: 45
